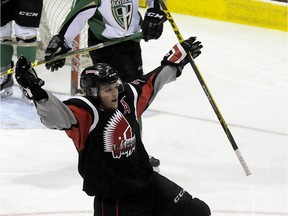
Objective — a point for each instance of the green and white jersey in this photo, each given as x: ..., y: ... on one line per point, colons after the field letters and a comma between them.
x: 107, y: 19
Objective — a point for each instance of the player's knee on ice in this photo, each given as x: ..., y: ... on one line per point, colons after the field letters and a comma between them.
x: 196, y: 207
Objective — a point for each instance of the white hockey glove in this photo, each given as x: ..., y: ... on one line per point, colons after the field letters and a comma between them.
x: 28, y: 80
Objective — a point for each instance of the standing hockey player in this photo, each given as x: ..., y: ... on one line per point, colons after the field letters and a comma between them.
x: 103, y: 126
x: 109, y: 20
x: 26, y: 16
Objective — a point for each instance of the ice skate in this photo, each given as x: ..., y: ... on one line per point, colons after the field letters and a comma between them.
x: 6, y: 82
x: 155, y: 163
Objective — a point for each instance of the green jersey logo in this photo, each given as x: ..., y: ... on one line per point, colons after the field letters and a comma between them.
x: 122, y: 12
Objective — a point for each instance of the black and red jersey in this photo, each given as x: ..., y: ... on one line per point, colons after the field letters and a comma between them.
x: 112, y: 159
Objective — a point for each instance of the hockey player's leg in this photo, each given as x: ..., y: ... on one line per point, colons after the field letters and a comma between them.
x: 26, y: 24
x: 26, y: 38
x: 195, y: 207
x: 26, y: 42
x: 6, y: 51
x: 136, y: 205
x: 103, y: 206
x: 172, y: 200
x: 6, y: 83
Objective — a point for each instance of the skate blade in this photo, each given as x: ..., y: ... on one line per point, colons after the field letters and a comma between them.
x: 6, y: 92
x: 156, y: 169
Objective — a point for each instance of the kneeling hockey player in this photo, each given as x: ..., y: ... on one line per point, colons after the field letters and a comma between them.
x: 103, y: 125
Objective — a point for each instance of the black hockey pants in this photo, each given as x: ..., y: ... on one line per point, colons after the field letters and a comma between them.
x: 164, y: 198
x: 125, y: 57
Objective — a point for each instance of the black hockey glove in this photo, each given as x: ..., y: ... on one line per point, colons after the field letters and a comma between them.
x: 28, y: 80
x: 152, y: 26
x: 178, y: 54
x: 56, y: 46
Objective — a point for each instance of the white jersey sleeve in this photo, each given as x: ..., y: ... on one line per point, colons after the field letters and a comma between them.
x: 77, y: 24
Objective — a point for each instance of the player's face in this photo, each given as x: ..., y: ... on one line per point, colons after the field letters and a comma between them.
x: 108, y: 95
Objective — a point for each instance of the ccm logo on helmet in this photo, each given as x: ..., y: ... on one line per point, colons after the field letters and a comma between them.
x: 30, y: 14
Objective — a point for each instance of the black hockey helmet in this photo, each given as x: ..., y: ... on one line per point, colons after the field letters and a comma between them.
x: 99, y: 74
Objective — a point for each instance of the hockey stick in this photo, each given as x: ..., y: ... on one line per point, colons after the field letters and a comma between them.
x: 81, y: 51
x: 207, y: 92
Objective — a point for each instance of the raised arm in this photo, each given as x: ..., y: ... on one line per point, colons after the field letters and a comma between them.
x: 171, y: 68
x: 53, y: 113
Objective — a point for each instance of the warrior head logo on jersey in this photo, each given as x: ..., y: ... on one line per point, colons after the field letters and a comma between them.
x: 118, y: 136
x: 122, y: 12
